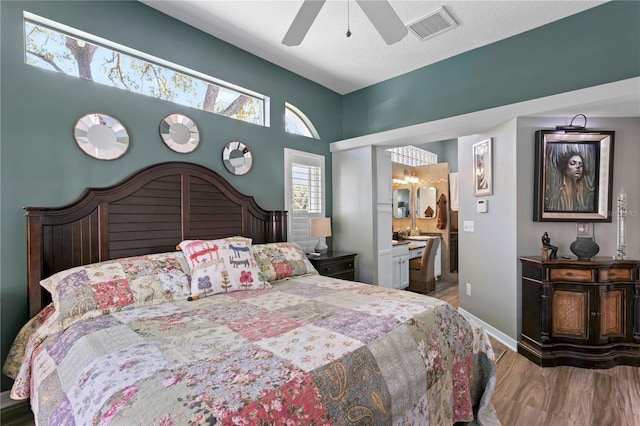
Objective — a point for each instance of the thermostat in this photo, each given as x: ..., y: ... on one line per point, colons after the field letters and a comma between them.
x: 482, y: 206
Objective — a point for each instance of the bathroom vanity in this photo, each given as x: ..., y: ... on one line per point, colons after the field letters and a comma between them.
x: 363, y: 211
x: 405, y: 250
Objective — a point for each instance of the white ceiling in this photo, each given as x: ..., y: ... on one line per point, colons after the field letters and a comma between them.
x: 343, y: 64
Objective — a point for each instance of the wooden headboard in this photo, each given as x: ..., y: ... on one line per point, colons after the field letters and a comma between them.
x: 149, y: 212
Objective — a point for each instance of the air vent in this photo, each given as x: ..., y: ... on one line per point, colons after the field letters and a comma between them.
x: 432, y: 24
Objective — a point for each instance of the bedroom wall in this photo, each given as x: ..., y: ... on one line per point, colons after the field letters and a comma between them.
x: 42, y: 166
x: 488, y: 257
x: 626, y: 174
x: 537, y: 63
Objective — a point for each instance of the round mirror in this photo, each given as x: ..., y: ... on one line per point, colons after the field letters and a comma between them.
x: 236, y: 157
x: 179, y: 133
x: 401, y: 203
x: 101, y: 136
x: 427, y: 205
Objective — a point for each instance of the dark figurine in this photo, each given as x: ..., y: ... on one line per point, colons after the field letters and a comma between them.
x: 546, y: 243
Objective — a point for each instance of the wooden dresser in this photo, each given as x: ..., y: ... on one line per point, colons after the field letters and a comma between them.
x: 580, y: 313
x: 335, y: 264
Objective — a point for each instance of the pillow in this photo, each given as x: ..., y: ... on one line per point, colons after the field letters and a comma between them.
x: 92, y: 290
x: 222, y: 266
x: 282, y: 260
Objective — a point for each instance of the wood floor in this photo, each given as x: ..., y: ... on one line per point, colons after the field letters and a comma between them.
x: 527, y: 394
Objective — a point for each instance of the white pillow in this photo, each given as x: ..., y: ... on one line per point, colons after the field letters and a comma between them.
x: 222, y: 266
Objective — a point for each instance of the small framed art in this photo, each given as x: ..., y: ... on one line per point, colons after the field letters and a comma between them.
x: 482, y: 168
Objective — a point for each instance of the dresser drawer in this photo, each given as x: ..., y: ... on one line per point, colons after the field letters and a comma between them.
x: 349, y: 275
x: 416, y: 253
x: 576, y: 275
x: 335, y: 265
x: 614, y: 274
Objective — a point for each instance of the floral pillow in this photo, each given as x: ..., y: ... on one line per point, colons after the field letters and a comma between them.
x: 92, y: 290
x: 222, y: 266
x: 282, y: 260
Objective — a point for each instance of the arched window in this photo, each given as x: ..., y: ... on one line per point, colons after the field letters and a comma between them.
x: 297, y: 123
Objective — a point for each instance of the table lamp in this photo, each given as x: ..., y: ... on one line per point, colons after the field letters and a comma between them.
x: 320, y: 228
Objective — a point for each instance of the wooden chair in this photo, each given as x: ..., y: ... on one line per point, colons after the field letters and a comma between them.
x: 421, y: 269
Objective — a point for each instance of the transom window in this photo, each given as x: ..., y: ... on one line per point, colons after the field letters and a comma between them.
x: 412, y: 156
x: 297, y: 123
x: 57, y: 47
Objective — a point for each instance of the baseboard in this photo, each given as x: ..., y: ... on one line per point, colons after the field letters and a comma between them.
x: 509, y: 342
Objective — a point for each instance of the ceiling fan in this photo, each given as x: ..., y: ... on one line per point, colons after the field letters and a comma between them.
x: 379, y: 12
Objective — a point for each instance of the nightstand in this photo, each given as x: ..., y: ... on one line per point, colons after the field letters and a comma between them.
x: 335, y: 264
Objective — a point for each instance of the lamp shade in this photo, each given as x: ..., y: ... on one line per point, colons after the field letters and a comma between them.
x: 320, y: 227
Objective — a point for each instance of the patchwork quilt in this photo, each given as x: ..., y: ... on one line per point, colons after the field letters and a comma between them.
x: 309, y: 350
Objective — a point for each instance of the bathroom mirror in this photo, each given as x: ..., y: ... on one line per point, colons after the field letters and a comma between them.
x: 401, y: 203
x: 426, y: 201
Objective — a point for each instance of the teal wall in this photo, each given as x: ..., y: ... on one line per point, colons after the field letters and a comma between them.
x: 597, y: 46
x: 40, y: 164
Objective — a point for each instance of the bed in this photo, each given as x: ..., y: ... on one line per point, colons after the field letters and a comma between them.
x: 171, y: 298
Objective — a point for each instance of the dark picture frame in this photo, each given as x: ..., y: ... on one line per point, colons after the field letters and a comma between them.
x: 573, y: 176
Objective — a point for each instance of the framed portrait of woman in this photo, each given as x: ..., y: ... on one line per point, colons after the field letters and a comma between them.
x: 573, y: 176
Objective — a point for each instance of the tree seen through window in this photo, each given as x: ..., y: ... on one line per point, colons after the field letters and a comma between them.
x: 54, y: 50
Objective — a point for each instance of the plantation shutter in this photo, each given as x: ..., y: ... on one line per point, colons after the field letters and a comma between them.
x: 304, y: 195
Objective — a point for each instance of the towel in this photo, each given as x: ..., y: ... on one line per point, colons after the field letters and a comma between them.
x: 442, y: 212
x: 453, y: 190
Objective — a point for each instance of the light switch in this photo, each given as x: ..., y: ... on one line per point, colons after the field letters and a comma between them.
x: 468, y: 226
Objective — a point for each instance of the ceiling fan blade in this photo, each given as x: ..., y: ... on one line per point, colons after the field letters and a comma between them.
x: 302, y: 22
x: 384, y: 19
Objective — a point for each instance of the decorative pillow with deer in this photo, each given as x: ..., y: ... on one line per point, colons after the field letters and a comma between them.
x: 89, y: 291
x: 222, y: 266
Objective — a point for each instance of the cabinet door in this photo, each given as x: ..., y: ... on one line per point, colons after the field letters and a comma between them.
x: 614, y: 313
x: 636, y: 313
x: 571, y: 307
x: 400, y: 271
x: 404, y: 271
x: 396, y: 271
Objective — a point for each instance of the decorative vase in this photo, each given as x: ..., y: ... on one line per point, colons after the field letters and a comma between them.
x: 584, y: 247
